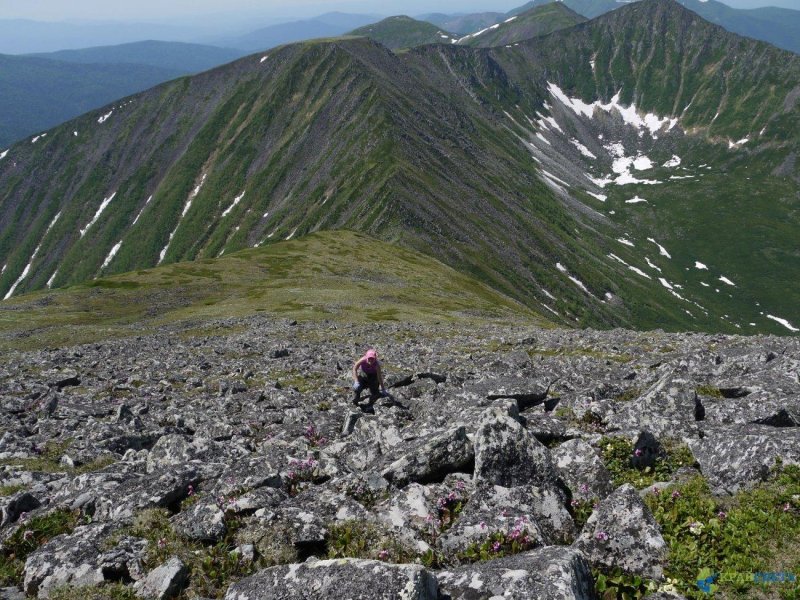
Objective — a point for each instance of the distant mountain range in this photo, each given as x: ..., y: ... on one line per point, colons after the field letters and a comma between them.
x: 638, y: 169
x: 179, y: 57
x: 327, y: 25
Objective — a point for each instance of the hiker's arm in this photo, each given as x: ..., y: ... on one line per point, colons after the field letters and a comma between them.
x: 355, y: 369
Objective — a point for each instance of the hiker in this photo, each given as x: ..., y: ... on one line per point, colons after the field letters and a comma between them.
x: 370, y: 377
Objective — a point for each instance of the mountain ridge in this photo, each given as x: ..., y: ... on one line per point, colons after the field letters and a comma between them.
x: 513, y: 222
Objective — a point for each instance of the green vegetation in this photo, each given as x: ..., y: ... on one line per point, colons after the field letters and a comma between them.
x: 756, y: 531
x: 31, y: 535
x: 212, y: 568
x: 403, y: 32
x: 49, y: 460
x: 113, y: 591
x: 535, y: 22
x: 356, y: 539
x: 10, y: 490
x: 618, y: 455
x: 710, y: 391
x: 311, y: 278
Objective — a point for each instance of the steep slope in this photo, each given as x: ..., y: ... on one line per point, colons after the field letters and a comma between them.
x: 534, y: 22
x: 724, y: 124
x: 433, y: 149
x: 37, y: 93
x: 179, y: 57
x: 404, y: 32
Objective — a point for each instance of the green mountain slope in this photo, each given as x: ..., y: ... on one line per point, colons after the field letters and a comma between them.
x: 464, y: 24
x: 404, y: 32
x: 179, y: 57
x: 36, y: 93
x: 778, y: 26
x: 320, y: 276
x: 534, y: 22
x: 478, y: 157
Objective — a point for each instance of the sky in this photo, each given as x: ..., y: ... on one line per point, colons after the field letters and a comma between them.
x: 157, y: 10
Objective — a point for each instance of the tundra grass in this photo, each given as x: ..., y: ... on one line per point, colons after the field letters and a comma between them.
x: 342, y: 276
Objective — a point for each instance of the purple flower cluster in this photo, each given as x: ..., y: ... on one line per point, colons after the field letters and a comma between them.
x: 314, y: 437
x: 301, y: 469
x: 602, y: 536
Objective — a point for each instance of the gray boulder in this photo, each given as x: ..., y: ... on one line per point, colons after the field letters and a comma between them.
x: 507, y: 454
x: 551, y: 573
x: 622, y: 532
x: 430, y: 459
x: 12, y: 507
x: 203, y: 522
x: 524, y: 511
x: 582, y: 470
x: 164, y: 582
x: 349, y: 578
x: 737, y: 457
x: 69, y: 559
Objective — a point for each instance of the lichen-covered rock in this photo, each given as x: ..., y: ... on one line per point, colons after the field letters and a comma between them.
x: 522, y: 511
x: 507, y: 454
x: 350, y: 578
x: 622, y: 533
x: 582, y: 470
x: 551, y: 573
x: 430, y: 459
x: 203, y: 522
x: 71, y: 559
x: 164, y: 582
x: 733, y: 458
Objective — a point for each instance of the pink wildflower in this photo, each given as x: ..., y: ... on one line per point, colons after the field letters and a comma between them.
x: 496, y: 547
x: 383, y: 554
x: 602, y: 536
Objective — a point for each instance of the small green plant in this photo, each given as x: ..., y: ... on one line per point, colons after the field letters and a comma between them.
x: 618, y: 454
x: 629, y: 394
x: 112, y: 591
x: 501, y: 543
x: 356, y: 539
x: 323, y: 406
x: 31, y: 535
x: 10, y: 490
x: 709, y: 390
x: 582, y: 509
x: 618, y: 585
x: 300, y: 475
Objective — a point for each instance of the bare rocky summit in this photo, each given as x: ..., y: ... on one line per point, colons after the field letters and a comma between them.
x: 230, y: 461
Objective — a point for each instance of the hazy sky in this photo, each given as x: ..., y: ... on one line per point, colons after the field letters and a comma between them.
x: 53, y: 10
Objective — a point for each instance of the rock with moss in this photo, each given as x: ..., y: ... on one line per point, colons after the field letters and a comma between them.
x: 13, y: 506
x: 622, y: 533
x: 551, y: 573
x: 357, y: 579
x: 203, y: 522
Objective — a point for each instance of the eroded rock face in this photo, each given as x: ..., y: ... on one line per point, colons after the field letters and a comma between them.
x: 335, y: 579
x: 477, y: 442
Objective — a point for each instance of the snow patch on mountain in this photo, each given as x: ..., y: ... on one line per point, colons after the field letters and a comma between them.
x: 784, y: 322
x: 630, y: 114
x: 232, y: 206
x: 27, y: 268
x: 103, y: 205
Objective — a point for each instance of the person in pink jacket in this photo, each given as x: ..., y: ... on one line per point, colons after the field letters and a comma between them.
x: 370, y: 376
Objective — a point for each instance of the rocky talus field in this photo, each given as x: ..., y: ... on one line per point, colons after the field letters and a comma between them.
x: 229, y: 461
